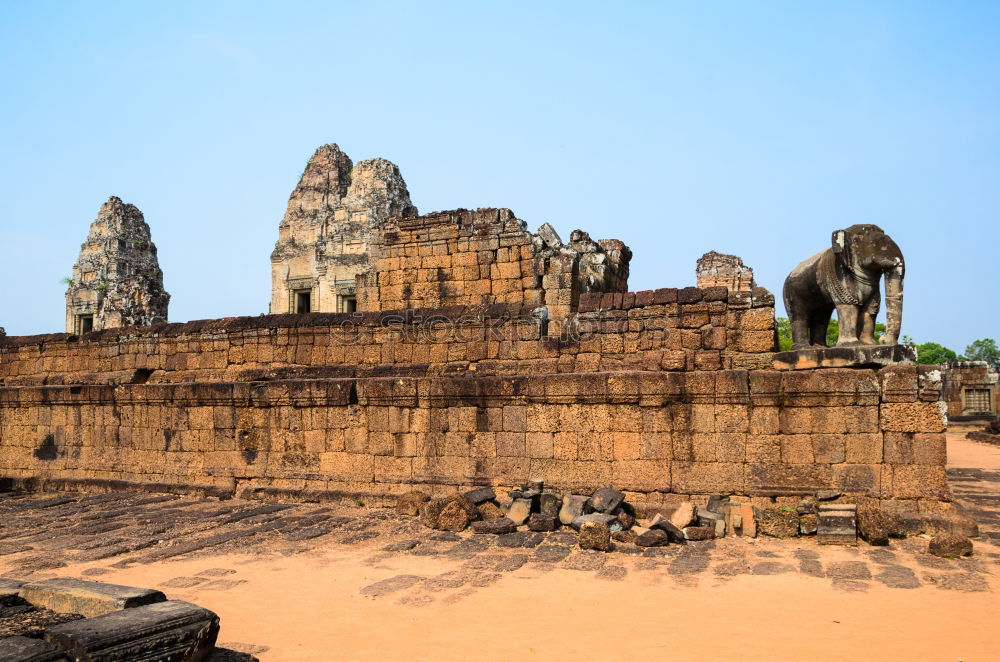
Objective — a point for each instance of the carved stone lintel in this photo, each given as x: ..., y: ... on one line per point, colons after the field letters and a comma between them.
x: 845, y: 357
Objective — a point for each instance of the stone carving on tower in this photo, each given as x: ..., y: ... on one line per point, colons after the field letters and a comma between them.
x: 116, y: 280
x: 323, y: 239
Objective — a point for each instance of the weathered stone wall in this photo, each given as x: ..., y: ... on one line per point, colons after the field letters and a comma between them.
x: 878, y: 434
x: 668, y: 329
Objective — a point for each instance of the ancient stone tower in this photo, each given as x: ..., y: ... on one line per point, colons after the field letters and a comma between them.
x: 116, y: 281
x: 323, y: 239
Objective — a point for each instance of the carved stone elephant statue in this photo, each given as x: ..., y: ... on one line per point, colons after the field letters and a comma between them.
x: 846, y: 277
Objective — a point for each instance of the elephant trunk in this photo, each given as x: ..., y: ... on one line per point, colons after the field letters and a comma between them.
x: 893, y: 305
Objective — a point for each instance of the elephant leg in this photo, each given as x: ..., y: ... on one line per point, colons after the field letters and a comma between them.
x: 847, y: 316
x: 867, y: 329
x: 800, y: 333
x: 818, y: 324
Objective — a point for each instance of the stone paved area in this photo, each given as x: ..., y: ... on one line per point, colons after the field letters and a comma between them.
x: 41, y: 534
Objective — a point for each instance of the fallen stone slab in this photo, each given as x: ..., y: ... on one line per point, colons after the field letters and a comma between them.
x: 717, y: 504
x: 409, y: 503
x: 674, y: 532
x: 683, y: 515
x: 876, y: 526
x: 837, y: 524
x: 950, y: 546
x: 539, y: 522
x: 549, y: 504
x: 778, y: 522
x: 26, y: 649
x: 699, y: 532
x: 600, y: 518
x: 431, y: 511
x: 572, y: 507
x: 453, y: 517
x: 77, y: 596
x: 808, y: 524
x: 497, y: 526
x: 595, y: 535
x: 480, y: 494
x: 489, y: 510
x: 174, y: 630
x: 605, y: 500
x: 519, y: 511
x: 652, y: 538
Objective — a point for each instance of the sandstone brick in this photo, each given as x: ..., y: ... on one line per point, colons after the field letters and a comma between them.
x: 706, y: 477
x: 912, y: 417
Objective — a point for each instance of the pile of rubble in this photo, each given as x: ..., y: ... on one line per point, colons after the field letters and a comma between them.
x: 605, y: 516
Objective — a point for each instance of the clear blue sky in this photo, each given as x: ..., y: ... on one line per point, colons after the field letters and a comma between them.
x: 753, y: 128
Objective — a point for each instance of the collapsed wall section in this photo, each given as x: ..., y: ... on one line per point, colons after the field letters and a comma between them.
x: 486, y: 256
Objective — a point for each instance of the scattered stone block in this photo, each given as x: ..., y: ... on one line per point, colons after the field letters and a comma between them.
x: 827, y: 495
x: 536, y: 485
x: 652, y: 538
x: 950, y: 546
x: 806, y: 507
x: 837, y: 524
x: 539, y: 522
x: 699, y: 532
x: 453, y: 517
x: 808, y: 523
x: 173, y: 630
x: 707, y: 517
x: 720, y: 528
x: 717, y: 504
x: 480, y: 494
x: 430, y: 512
x: 600, y: 518
x: 683, y: 515
x: 77, y: 596
x: 627, y: 536
x: 409, y: 503
x: 605, y: 500
x: 572, y: 507
x: 876, y: 525
x: 625, y: 515
x: 496, y: 526
x: 674, y: 532
x: 26, y: 649
x: 549, y: 504
x: 595, y: 535
x: 778, y: 522
x: 489, y: 510
x: 519, y: 511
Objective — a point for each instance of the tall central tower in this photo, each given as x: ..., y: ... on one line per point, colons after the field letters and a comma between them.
x: 324, y: 236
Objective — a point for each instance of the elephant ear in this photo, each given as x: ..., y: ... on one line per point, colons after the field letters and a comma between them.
x: 838, y: 244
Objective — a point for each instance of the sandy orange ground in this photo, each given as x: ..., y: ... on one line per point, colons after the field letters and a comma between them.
x: 307, y: 606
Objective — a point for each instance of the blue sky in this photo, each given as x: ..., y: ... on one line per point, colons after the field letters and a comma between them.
x: 753, y: 128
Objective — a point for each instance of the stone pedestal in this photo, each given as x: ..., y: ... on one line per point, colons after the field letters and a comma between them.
x: 861, y: 356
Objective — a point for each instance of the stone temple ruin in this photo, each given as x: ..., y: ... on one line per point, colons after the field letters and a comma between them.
x: 116, y: 280
x: 455, y: 350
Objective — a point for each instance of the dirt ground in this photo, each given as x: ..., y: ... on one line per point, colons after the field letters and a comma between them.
x: 308, y: 582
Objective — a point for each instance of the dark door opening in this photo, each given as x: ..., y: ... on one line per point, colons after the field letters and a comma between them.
x: 348, y: 304
x: 303, y: 301
x: 85, y: 323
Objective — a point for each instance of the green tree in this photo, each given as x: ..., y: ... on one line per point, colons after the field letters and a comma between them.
x: 983, y: 350
x: 932, y: 352
x: 832, y: 331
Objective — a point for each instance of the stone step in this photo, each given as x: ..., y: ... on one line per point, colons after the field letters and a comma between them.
x: 77, y: 596
x: 173, y: 630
